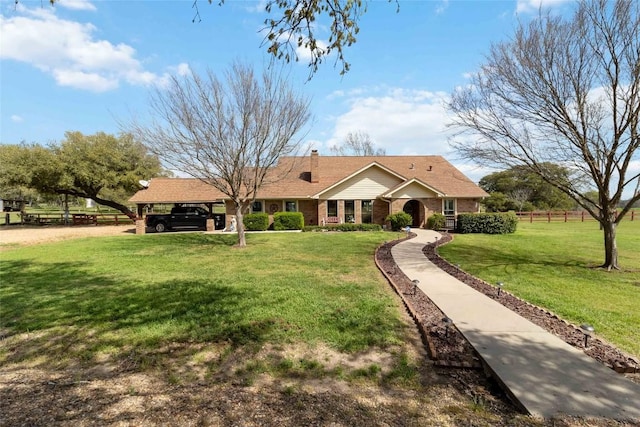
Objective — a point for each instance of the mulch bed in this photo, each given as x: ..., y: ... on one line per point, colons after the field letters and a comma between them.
x: 446, y: 345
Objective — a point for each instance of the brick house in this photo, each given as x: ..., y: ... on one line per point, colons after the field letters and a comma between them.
x: 339, y: 189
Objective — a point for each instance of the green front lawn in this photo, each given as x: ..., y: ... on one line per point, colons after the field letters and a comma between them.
x: 90, y: 297
x: 551, y: 265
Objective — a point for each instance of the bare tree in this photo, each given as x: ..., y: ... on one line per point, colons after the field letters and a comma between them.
x: 521, y: 196
x: 229, y: 133
x: 357, y: 144
x: 568, y: 92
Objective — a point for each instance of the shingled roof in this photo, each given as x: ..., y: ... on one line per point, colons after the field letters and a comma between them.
x: 434, y: 171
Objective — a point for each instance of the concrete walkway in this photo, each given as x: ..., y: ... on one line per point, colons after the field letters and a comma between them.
x: 545, y: 375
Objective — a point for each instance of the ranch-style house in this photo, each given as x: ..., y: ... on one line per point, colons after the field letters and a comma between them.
x: 336, y: 189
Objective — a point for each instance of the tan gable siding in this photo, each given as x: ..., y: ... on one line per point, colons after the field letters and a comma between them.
x: 367, y: 185
x: 414, y: 191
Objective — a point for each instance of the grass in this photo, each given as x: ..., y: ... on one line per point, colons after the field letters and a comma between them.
x: 126, y: 295
x: 552, y: 265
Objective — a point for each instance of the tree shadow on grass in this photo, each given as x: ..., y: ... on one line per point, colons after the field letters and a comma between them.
x: 70, y: 313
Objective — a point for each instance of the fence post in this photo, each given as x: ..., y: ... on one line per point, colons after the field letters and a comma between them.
x: 548, y: 216
x: 565, y: 216
x: 116, y: 219
x: 582, y: 216
x: 531, y: 216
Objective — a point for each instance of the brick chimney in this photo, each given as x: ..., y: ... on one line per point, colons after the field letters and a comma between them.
x: 315, y: 173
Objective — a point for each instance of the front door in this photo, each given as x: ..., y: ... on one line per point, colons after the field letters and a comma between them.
x: 412, y: 207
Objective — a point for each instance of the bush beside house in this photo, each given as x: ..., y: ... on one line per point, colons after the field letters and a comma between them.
x: 288, y: 221
x: 399, y: 220
x: 343, y: 227
x: 487, y: 223
x: 256, y: 221
x: 436, y: 221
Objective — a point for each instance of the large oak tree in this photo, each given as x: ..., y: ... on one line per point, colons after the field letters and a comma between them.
x: 563, y: 91
x: 228, y: 131
x: 102, y: 167
x: 525, y: 188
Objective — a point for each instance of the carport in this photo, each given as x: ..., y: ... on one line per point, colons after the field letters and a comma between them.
x: 176, y: 192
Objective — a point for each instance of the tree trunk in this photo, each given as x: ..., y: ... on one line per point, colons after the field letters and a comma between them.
x: 240, y: 208
x: 608, y: 226
x: 122, y: 208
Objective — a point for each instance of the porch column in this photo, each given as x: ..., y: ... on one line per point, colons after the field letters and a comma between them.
x: 210, y: 224
x: 140, y: 225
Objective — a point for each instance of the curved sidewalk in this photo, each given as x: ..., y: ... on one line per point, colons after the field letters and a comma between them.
x: 542, y: 373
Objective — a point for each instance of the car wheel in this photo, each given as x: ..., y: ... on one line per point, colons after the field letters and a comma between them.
x: 160, y: 227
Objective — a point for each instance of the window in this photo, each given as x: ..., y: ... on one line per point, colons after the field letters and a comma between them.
x: 367, y: 211
x: 332, y: 208
x: 256, y: 207
x: 349, y: 211
x: 290, y: 207
x: 449, y: 207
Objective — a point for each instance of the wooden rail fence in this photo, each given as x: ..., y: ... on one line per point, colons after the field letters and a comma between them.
x: 565, y: 216
x: 74, y: 219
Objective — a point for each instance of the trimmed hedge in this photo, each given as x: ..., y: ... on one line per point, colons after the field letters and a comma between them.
x: 437, y: 221
x: 399, y: 220
x: 487, y: 223
x: 288, y: 221
x: 256, y: 221
x: 343, y: 227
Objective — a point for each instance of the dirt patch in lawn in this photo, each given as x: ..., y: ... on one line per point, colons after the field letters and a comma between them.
x: 14, y: 235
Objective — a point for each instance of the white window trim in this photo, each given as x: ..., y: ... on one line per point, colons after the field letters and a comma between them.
x: 262, y: 204
x: 337, y: 208
x: 455, y: 206
x: 284, y: 203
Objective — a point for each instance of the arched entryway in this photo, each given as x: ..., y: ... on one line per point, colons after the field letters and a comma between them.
x: 414, y: 208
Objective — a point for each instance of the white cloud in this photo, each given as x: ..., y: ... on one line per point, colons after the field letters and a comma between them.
x: 530, y: 6
x: 76, y: 4
x: 259, y: 7
x: 70, y: 53
x: 83, y: 80
x: 402, y: 121
x: 16, y: 118
x: 183, y: 69
x: 304, y: 53
x: 442, y: 7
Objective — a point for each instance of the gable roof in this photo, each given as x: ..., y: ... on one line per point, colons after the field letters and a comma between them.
x: 356, y: 173
x: 433, y: 172
x: 409, y: 182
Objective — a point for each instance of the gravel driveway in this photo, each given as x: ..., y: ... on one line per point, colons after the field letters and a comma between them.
x: 32, y: 235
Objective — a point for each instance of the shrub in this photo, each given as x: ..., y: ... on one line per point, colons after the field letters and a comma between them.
x: 399, y: 220
x: 487, y: 223
x: 256, y: 221
x: 343, y: 227
x: 436, y: 221
x: 288, y: 221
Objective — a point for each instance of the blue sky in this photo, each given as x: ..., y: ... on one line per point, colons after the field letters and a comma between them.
x: 85, y: 65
